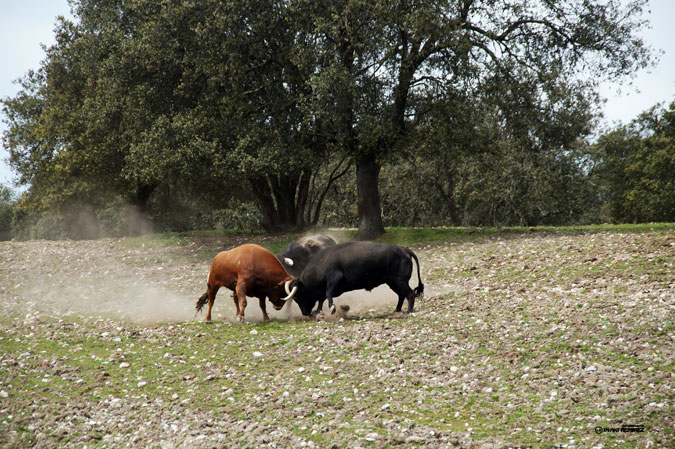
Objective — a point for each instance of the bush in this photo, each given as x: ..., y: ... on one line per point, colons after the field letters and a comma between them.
x: 6, y: 212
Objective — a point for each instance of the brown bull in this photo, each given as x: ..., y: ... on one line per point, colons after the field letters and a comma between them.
x: 247, y: 270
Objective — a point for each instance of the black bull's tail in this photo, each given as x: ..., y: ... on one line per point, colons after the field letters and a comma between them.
x: 201, y: 302
x: 419, y: 290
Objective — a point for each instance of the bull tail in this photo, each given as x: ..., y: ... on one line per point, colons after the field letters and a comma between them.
x: 419, y: 290
x: 201, y: 301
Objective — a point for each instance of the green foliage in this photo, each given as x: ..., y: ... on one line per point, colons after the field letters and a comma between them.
x: 636, y: 164
x: 505, y: 189
x: 523, y: 188
x: 178, y: 111
x: 6, y: 212
x: 238, y: 215
x: 476, y: 165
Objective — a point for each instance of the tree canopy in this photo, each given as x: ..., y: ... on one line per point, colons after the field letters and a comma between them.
x: 274, y: 102
x: 636, y: 164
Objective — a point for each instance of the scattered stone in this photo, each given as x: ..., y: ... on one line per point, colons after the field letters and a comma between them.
x: 542, y: 340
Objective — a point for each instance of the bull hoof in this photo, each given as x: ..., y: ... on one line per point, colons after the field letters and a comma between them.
x: 240, y: 319
x: 333, y: 309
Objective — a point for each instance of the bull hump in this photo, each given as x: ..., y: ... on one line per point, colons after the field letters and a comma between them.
x: 262, y: 267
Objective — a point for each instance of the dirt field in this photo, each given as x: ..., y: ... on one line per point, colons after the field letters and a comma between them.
x: 540, y: 340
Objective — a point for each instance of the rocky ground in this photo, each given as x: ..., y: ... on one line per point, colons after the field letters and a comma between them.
x: 539, y: 340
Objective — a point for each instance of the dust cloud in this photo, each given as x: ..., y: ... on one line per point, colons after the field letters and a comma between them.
x: 136, y: 301
x: 127, y: 299
x: 84, y: 223
x: 139, y: 301
x: 113, y: 279
x: 117, y: 299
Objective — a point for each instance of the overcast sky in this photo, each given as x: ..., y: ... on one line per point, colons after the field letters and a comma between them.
x: 27, y: 24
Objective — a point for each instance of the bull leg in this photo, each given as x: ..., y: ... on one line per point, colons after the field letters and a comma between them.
x: 403, y: 291
x: 236, y: 301
x: 211, y: 291
x: 332, y: 281
x: 400, y: 303
x: 241, y: 294
x: 266, y: 318
x: 411, y: 301
x: 319, y: 307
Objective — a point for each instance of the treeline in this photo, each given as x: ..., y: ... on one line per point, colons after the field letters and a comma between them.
x: 288, y: 115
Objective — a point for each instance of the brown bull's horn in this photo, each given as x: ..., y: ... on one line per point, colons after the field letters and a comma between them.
x: 286, y: 284
x: 291, y: 293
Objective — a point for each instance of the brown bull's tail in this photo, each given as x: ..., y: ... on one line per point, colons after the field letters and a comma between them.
x: 419, y: 290
x: 201, y: 301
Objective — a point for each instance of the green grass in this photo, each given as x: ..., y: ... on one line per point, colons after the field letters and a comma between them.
x: 410, y: 236
x: 149, y: 241
x: 401, y: 236
x: 228, y: 348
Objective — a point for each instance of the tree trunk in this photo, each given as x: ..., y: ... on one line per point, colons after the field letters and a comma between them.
x: 313, y: 220
x: 449, y: 194
x: 138, y: 223
x: 281, y: 201
x: 142, y: 197
x: 262, y: 195
x: 368, y: 198
x: 367, y: 168
x: 301, y: 201
x: 283, y: 191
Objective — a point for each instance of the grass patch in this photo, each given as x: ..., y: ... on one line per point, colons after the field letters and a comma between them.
x: 158, y: 240
x: 394, y: 235
x: 410, y: 236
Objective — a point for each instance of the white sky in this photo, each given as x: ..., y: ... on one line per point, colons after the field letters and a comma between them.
x: 26, y: 24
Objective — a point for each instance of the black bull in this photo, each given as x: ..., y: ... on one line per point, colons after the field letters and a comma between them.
x: 353, y: 266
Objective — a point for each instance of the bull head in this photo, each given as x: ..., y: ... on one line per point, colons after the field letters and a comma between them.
x: 278, y: 305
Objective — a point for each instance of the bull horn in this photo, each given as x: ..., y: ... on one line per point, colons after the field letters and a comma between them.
x: 286, y: 284
x: 291, y: 293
